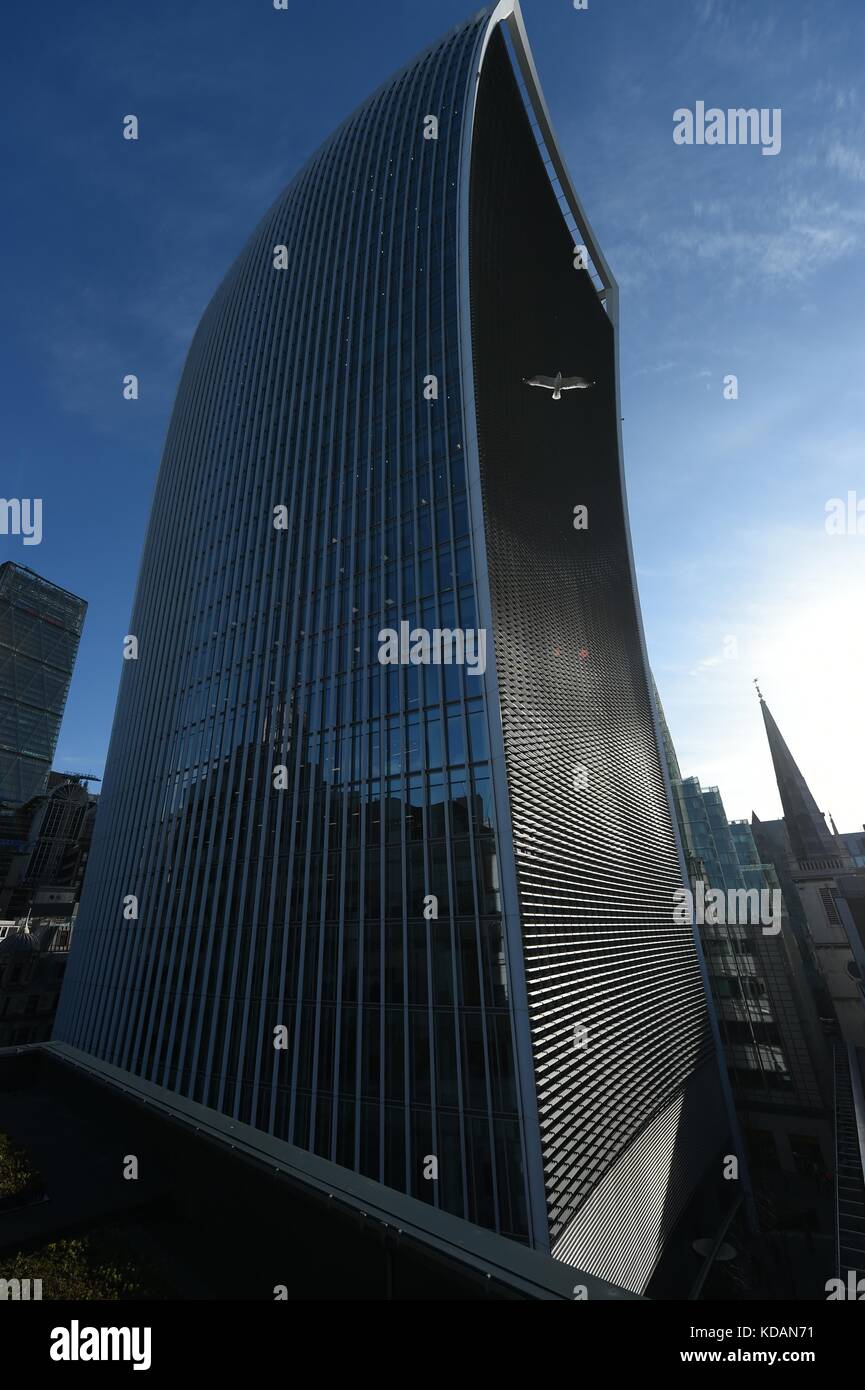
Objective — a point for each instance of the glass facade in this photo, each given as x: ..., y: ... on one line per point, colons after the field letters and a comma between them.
x: 40, y: 628
x: 316, y: 849
x: 303, y: 907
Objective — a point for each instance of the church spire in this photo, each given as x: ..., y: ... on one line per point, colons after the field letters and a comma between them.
x: 806, y: 828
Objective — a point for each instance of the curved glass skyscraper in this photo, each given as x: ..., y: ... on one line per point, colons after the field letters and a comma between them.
x: 408, y: 907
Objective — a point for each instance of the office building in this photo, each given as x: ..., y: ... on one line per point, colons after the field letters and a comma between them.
x: 33, y: 960
x: 414, y: 915
x: 40, y: 628
x: 44, y: 871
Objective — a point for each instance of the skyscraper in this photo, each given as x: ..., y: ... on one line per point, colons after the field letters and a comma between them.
x: 40, y: 628
x: 413, y: 915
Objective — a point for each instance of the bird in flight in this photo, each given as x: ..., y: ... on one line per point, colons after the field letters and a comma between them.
x: 558, y: 383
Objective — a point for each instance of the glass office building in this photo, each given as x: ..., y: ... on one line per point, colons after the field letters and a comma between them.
x: 422, y: 881
x: 40, y: 628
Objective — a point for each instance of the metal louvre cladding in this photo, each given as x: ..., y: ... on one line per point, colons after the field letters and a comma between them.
x: 300, y: 907
x: 595, y: 853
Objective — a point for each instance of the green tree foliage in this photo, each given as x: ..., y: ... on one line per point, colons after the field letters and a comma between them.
x: 75, y: 1269
x: 17, y: 1174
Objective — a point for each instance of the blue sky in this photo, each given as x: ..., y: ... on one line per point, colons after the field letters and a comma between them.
x: 729, y: 262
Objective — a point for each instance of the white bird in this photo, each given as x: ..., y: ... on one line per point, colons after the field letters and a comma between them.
x: 558, y: 383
